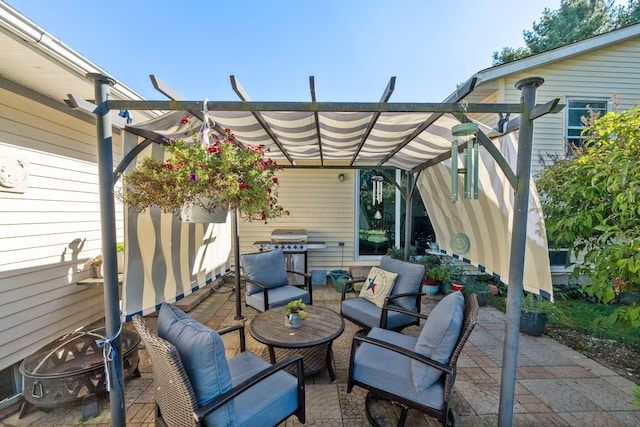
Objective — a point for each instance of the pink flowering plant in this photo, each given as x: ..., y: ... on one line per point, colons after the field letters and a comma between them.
x: 211, y: 172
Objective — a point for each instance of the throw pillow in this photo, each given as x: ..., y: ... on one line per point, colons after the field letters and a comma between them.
x: 202, y: 353
x: 378, y: 285
x: 409, y: 280
x: 438, y: 338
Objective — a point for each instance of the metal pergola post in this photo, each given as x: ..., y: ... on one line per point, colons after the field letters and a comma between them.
x: 110, y: 264
x: 518, y: 246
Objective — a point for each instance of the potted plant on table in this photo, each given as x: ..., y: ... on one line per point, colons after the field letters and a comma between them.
x: 205, y: 171
x: 294, y: 313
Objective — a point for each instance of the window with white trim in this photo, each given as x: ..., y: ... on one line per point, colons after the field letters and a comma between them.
x: 577, y: 108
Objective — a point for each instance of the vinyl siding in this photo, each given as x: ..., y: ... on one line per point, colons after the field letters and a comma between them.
x: 319, y: 203
x: 48, y: 233
x: 602, y: 74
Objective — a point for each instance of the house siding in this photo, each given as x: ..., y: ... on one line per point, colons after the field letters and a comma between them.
x: 48, y: 233
x: 600, y: 74
x: 323, y: 206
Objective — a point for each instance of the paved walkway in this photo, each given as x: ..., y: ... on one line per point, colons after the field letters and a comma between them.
x: 556, y: 386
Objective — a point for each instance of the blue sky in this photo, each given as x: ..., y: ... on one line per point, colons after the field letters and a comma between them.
x: 352, y: 47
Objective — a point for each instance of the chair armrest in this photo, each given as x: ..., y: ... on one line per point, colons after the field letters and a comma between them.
x: 446, y: 369
x: 240, y: 329
x: 387, y: 307
x: 227, y: 397
x: 350, y: 282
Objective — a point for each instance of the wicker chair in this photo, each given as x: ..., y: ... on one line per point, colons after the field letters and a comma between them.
x: 176, y: 402
x: 393, y: 366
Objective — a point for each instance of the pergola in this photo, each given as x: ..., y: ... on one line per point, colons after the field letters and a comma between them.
x: 415, y: 137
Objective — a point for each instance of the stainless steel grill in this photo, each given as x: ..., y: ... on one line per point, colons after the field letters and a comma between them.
x: 294, y: 242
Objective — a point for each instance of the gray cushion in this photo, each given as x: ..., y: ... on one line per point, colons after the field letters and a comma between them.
x: 202, y: 353
x: 277, y: 297
x: 409, y: 279
x: 367, y: 313
x: 267, y: 268
x: 269, y: 401
x: 438, y: 338
x: 389, y: 371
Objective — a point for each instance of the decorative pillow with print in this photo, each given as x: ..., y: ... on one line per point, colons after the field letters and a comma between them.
x: 378, y: 285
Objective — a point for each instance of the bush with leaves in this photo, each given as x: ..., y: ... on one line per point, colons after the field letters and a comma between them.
x: 591, y: 203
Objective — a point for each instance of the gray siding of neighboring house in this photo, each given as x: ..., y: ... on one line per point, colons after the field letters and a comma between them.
x: 48, y: 233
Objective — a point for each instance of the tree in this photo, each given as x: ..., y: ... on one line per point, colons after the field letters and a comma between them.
x: 575, y: 20
x: 591, y: 204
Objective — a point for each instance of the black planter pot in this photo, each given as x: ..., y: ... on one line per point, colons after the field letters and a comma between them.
x: 532, y: 322
x: 483, y: 298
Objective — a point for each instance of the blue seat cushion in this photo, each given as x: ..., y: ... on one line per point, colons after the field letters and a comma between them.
x: 367, y: 313
x: 267, y: 268
x: 390, y: 371
x: 277, y: 297
x: 409, y: 280
x: 269, y: 401
x: 438, y: 338
x: 202, y: 353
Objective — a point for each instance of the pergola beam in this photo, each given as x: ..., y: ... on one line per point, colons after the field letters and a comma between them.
x: 459, y: 94
x: 385, y: 97
x: 242, y: 94
x: 366, y: 107
x: 312, y: 88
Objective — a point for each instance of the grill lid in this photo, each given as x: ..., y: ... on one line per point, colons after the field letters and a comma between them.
x: 289, y: 235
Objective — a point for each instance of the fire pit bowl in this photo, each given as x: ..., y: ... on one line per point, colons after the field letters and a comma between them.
x: 72, y: 367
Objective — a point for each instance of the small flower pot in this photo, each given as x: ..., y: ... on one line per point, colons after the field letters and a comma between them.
x: 193, y: 212
x: 292, y: 321
x: 457, y: 286
x: 430, y: 287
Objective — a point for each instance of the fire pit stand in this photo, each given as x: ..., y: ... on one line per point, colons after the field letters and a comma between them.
x: 72, y: 368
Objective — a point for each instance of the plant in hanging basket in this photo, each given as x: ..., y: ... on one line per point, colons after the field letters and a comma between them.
x: 207, y: 171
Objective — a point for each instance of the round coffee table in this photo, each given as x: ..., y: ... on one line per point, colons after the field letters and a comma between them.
x: 313, y: 340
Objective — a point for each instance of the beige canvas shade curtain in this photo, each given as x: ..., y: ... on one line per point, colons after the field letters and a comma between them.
x: 345, y: 139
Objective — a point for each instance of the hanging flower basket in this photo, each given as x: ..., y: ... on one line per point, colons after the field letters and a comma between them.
x: 207, y: 172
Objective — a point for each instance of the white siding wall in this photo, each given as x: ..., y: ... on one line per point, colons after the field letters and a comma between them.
x: 49, y: 232
x: 319, y: 203
x: 602, y: 74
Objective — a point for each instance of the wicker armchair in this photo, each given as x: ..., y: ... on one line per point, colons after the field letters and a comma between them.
x: 177, y: 403
x: 415, y: 372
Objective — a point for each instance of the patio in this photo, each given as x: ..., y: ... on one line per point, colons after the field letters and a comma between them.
x: 555, y: 385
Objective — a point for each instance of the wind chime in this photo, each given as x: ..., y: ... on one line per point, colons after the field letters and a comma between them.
x: 460, y: 242
x: 376, y: 191
x: 467, y: 133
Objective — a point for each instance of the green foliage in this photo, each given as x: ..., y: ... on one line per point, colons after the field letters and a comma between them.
x: 120, y: 247
x: 535, y: 302
x: 636, y: 393
x: 573, y: 21
x: 509, y: 54
x: 296, y: 306
x: 591, y: 203
x: 398, y: 253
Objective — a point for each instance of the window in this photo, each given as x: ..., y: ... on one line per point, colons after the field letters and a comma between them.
x: 576, y: 109
x: 380, y: 221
